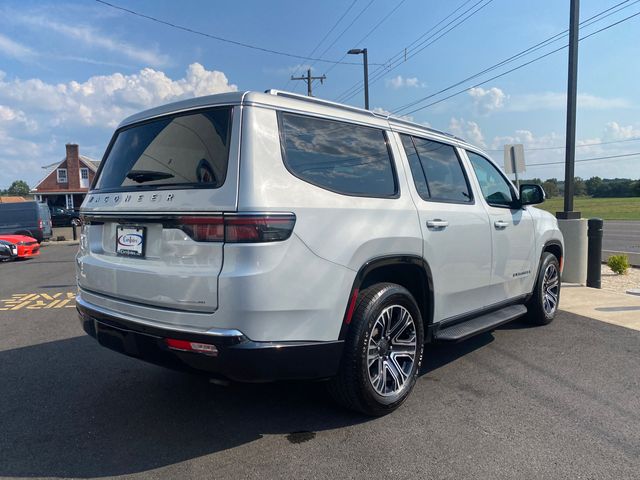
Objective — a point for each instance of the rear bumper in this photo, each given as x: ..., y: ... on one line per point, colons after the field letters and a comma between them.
x: 238, y: 357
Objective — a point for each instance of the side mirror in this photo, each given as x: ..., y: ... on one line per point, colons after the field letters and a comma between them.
x: 531, y: 194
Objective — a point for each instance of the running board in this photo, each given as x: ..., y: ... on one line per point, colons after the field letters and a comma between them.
x: 483, y: 323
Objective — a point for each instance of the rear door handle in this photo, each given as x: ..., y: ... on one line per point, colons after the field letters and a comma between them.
x: 437, y: 223
x: 500, y: 224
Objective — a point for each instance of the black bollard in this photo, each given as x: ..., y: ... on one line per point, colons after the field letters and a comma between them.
x: 594, y: 256
x: 73, y: 230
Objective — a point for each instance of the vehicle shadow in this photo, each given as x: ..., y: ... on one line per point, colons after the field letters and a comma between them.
x: 72, y: 409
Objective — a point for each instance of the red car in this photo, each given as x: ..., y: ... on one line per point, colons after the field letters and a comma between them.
x: 27, y: 247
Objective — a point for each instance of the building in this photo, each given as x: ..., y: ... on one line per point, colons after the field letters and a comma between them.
x: 67, y: 182
x: 10, y: 199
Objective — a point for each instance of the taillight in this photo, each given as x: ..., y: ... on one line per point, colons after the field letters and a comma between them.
x: 40, y: 224
x: 258, y: 228
x: 203, y: 229
x: 187, y: 346
x: 254, y: 228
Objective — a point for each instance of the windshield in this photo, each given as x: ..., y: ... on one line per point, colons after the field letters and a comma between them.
x: 181, y: 150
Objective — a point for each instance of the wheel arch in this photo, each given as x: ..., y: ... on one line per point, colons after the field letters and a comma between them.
x: 409, y: 271
x: 554, y: 247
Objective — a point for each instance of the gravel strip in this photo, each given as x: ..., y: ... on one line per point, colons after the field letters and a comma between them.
x: 620, y: 283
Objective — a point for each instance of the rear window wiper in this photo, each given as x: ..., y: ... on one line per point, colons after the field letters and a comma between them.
x: 141, y: 176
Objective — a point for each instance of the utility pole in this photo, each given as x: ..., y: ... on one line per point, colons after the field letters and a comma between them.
x: 572, y: 87
x: 309, y: 79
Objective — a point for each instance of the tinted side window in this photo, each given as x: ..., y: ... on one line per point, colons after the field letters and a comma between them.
x: 341, y: 157
x: 495, y: 189
x: 417, y: 172
x: 441, y: 170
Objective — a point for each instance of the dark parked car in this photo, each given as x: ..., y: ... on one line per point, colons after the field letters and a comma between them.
x: 8, y: 250
x: 25, y: 218
x: 63, y: 217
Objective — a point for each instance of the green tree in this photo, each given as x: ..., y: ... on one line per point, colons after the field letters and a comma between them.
x: 579, y: 186
x: 551, y: 187
x: 18, y: 188
x: 593, y: 185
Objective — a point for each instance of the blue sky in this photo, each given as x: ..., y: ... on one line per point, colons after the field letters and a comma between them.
x: 70, y: 71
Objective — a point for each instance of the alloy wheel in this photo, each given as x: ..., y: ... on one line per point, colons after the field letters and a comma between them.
x: 392, y: 350
x: 550, y: 289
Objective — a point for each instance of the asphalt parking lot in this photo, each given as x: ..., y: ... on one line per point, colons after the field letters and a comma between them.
x: 561, y: 401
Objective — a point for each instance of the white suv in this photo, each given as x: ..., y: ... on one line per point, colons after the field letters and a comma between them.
x: 266, y: 236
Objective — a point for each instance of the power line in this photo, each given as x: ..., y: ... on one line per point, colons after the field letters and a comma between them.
x: 403, y: 52
x: 412, y: 50
x: 221, y: 39
x: 554, y: 38
x: 366, y: 7
x: 334, y: 27
x: 401, y: 55
x: 426, y: 43
x: 586, y: 159
x: 375, y: 27
x: 326, y: 35
x: 577, y: 146
x: 519, y: 66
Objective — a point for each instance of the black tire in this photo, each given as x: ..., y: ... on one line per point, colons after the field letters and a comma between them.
x: 353, y: 386
x: 75, y: 221
x: 539, y: 312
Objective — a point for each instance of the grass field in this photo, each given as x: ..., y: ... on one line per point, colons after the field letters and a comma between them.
x: 605, y: 208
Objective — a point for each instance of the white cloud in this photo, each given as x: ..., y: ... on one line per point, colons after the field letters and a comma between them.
x: 615, y: 131
x: 37, y: 118
x: 558, y: 101
x: 467, y: 130
x: 400, y: 82
x: 11, y: 48
x: 487, y: 101
x: 89, y: 36
x: 10, y: 118
x: 104, y: 100
x: 528, y: 139
x: 543, y: 149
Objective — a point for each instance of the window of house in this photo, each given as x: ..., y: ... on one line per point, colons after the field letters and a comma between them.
x: 436, y: 170
x: 62, y: 175
x: 341, y: 157
x: 84, y: 173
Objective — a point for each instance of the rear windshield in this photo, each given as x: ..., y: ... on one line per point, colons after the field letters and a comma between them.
x: 185, y: 150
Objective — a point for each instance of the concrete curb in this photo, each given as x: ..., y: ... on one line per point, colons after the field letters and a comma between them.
x: 61, y: 242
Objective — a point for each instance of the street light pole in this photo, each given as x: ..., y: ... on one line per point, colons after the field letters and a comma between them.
x: 363, y: 51
x: 366, y: 80
x: 572, y: 87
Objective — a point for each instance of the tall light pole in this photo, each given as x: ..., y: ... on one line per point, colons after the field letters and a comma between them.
x: 572, y: 87
x: 573, y: 228
x: 363, y: 51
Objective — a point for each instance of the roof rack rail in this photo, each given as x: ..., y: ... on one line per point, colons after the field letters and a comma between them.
x: 298, y: 96
x: 305, y: 98
x: 431, y: 129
